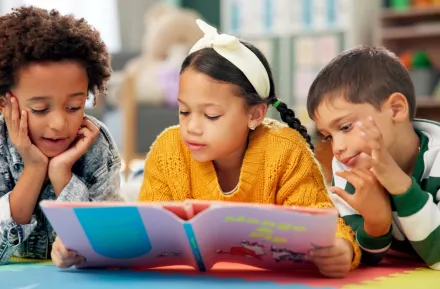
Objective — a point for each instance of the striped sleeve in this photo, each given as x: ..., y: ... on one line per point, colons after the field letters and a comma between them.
x: 373, y: 248
x: 419, y: 213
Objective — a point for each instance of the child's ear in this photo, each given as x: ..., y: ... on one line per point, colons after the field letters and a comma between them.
x: 257, y: 114
x: 398, y: 107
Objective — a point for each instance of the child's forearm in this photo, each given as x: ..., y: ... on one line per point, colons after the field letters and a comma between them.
x: 24, y: 196
x: 60, y: 181
x: 376, y: 230
x: 11, y: 233
x: 374, y: 248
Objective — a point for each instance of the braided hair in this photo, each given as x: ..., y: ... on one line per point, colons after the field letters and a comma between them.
x: 209, y: 62
x: 288, y: 116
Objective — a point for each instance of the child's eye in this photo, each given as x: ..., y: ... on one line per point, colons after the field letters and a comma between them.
x: 39, y: 111
x: 346, y: 127
x: 326, y: 138
x: 73, y: 108
x: 184, y: 113
x: 212, y: 117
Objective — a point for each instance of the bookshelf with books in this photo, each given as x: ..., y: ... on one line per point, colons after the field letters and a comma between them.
x: 411, y: 29
x: 299, y: 37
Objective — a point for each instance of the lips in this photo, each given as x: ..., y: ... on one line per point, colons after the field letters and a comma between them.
x: 194, y: 146
x: 54, y: 142
x: 54, y: 138
x: 349, y: 161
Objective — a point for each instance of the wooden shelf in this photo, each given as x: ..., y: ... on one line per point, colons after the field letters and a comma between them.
x: 411, y: 13
x: 411, y: 32
x: 414, y: 29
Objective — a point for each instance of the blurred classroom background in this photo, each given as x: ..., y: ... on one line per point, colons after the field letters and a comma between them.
x: 148, y: 39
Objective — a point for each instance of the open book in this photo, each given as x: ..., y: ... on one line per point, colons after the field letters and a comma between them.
x: 194, y: 233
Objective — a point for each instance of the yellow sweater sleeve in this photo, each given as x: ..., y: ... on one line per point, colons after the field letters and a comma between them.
x: 154, y: 189
x: 303, y: 185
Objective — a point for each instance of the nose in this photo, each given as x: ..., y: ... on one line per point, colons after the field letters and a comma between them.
x: 58, y: 121
x: 195, y: 125
x: 339, y: 145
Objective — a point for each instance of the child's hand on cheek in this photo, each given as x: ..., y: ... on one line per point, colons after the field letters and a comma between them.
x: 60, y: 167
x: 17, y: 124
x: 383, y: 166
x: 334, y: 261
x: 64, y: 258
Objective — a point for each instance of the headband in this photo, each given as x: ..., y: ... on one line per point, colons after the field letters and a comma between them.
x: 233, y: 50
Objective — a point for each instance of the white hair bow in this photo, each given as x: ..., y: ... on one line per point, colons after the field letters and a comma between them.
x: 233, y: 50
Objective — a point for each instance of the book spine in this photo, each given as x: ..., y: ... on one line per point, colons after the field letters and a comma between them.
x: 194, y: 246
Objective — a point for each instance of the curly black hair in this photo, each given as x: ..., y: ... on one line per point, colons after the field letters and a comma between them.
x: 29, y: 35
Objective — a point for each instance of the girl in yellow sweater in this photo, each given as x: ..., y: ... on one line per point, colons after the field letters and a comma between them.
x: 225, y: 149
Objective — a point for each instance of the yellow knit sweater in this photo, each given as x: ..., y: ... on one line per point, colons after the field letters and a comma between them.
x: 278, y: 168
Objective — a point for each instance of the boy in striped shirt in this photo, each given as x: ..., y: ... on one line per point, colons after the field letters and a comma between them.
x: 386, y: 166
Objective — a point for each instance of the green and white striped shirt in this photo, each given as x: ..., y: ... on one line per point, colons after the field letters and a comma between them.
x: 416, y: 213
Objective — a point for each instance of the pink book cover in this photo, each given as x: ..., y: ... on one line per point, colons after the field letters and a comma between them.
x: 192, y: 233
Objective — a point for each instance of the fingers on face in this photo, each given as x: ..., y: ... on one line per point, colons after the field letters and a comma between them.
x: 89, y: 128
x: 23, y: 130
x: 370, y: 133
x: 15, y: 115
x: 90, y: 124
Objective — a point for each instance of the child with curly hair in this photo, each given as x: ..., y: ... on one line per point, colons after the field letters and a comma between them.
x: 49, y: 148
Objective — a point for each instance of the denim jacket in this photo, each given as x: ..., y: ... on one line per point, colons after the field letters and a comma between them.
x: 95, y: 177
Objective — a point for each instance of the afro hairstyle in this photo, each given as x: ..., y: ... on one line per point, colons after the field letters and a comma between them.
x: 31, y: 35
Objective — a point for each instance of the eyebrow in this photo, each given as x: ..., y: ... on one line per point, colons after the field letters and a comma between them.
x: 204, y: 104
x: 335, y: 121
x: 41, y: 98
